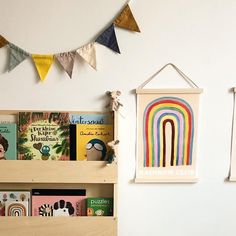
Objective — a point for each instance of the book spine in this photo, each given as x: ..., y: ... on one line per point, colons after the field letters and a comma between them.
x: 73, y: 142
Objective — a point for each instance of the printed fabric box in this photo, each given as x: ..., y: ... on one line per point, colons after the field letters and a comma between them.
x: 99, y: 206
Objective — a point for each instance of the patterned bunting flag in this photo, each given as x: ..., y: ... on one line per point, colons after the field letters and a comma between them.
x: 126, y: 20
x: 3, y: 41
x: 66, y: 60
x: 42, y: 64
x: 108, y: 39
x: 88, y: 53
x: 17, y: 55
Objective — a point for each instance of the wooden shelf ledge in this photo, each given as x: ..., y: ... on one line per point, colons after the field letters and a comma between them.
x: 73, y: 226
x: 33, y: 171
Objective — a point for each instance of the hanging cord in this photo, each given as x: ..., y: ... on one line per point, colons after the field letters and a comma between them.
x: 181, y: 73
x: 130, y: 1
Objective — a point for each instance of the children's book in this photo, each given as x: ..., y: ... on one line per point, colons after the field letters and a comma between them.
x: 8, y: 142
x: 91, y: 141
x: 58, y: 202
x: 6, y: 119
x: 99, y: 206
x: 7, y: 197
x: 85, y: 119
x: 43, y: 136
x: 73, y: 142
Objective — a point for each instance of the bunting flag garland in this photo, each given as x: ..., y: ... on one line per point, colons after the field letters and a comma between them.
x: 66, y: 60
x: 126, y: 20
x: 108, y: 39
x: 42, y: 64
x: 17, y: 55
x: 3, y: 41
x: 88, y: 53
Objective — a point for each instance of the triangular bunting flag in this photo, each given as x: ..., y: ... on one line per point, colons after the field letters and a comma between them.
x: 3, y: 41
x: 17, y: 55
x: 108, y: 39
x: 88, y: 53
x: 42, y: 64
x: 66, y: 60
x: 126, y: 20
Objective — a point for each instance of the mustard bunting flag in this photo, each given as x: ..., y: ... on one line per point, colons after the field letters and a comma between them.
x: 126, y: 20
x: 3, y: 41
x: 42, y: 64
x: 66, y: 60
x: 17, y: 55
x: 108, y: 39
x: 88, y: 53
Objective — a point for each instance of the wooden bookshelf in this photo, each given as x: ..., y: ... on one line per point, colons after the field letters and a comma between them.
x: 73, y: 226
x: 57, y: 172
x: 96, y: 177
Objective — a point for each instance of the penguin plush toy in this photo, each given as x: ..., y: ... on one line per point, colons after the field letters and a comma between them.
x: 96, y: 150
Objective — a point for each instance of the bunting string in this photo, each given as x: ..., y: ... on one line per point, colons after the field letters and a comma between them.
x: 66, y: 60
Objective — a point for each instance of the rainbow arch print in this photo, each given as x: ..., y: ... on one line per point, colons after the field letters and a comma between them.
x: 157, y: 114
x: 16, y: 209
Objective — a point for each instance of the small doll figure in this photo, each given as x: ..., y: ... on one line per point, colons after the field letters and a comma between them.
x: 3, y: 147
x: 111, y: 154
x: 114, y: 103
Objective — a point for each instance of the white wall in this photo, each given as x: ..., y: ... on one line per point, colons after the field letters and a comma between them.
x: 199, y: 36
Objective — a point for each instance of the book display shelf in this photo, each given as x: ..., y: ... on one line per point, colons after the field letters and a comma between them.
x: 98, y: 178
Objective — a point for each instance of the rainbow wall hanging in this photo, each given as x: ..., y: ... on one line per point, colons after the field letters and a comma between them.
x: 167, y: 134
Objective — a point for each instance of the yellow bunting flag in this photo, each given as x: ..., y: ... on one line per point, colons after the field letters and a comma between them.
x: 88, y: 53
x: 126, y: 20
x: 3, y: 41
x: 42, y: 64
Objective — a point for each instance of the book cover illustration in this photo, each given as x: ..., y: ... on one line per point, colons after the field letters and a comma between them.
x: 17, y: 208
x: 91, y: 141
x: 58, y: 202
x: 8, y: 142
x: 14, y: 196
x: 43, y: 136
x: 99, y: 206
